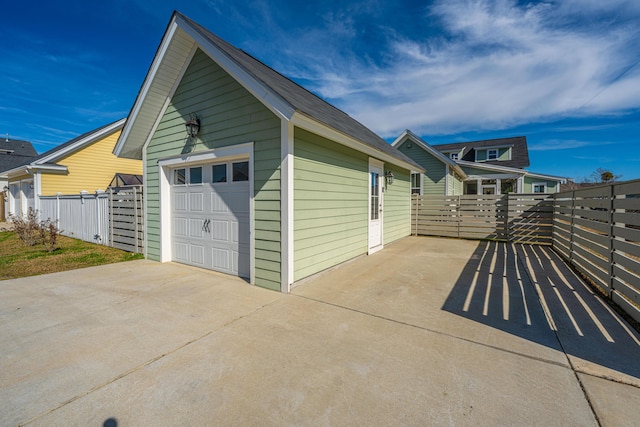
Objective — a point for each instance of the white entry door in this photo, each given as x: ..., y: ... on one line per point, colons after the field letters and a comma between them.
x: 375, y: 207
x: 210, y: 217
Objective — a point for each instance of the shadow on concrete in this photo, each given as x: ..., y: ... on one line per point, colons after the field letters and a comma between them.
x: 530, y: 292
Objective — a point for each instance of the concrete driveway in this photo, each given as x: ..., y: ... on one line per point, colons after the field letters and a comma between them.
x: 426, y: 332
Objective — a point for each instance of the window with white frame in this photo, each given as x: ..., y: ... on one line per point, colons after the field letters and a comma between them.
x: 416, y: 180
x: 539, y: 187
x: 453, y: 156
x: 492, y: 154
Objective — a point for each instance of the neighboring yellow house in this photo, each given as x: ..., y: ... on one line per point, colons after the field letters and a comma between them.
x: 83, y: 164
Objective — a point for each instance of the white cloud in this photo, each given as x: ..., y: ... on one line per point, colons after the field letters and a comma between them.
x: 565, y: 144
x: 498, y: 65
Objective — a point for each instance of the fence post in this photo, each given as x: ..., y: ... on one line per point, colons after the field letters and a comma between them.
x: 507, y: 216
x: 573, y: 214
x: 611, y: 237
x: 135, y: 216
x: 111, y: 217
x: 459, y: 218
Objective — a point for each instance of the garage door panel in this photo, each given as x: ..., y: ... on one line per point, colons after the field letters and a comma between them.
x: 180, y: 202
x: 196, y: 254
x: 181, y: 226
x: 196, y: 202
x: 221, y: 260
x: 195, y: 228
x: 211, y: 224
x: 220, y: 230
x: 218, y: 203
x: 181, y: 252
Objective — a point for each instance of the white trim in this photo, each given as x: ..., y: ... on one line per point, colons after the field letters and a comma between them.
x: 547, y: 177
x: 286, y: 203
x: 145, y: 201
x: 37, y: 190
x: 311, y: 125
x: 421, y: 182
x: 492, y: 150
x: 533, y: 185
x: 223, y: 154
x: 446, y: 180
x: 114, y: 127
x: 167, y: 101
x: 155, y: 65
x: 39, y: 164
x: 495, y: 176
x: 226, y: 153
x: 520, y: 172
x: 375, y: 165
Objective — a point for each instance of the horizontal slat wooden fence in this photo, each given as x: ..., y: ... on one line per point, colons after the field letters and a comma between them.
x: 126, y: 218
x: 521, y: 218
x: 597, y: 230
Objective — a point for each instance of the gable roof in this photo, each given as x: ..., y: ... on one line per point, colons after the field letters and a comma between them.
x: 282, y: 96
x: 408, y: 135
x: 47, y: 160
x: 518, y: 144
x: 14, y: 152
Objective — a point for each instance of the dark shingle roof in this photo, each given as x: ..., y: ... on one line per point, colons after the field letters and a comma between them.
x: 518, y: 144
x: 14, y: 153
x: 302, y: 100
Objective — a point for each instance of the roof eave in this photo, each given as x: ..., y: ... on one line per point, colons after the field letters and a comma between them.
x: 262, y: 92
x: 305, y: 122
x: 90, y: 138
x: 424, y: 145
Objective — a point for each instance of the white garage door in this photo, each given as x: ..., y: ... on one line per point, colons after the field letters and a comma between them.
x: 210, y: 216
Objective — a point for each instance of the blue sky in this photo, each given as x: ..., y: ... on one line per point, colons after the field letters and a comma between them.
x: 565, y: 74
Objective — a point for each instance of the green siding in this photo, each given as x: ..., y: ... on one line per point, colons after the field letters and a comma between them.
x: 330, y: 203
x: 552, y: 186
x: 503, y: 154
x: 455, y: 184
x: 229, y: 115
x: 458, y: 185
x: 434, y: 177
x: 397, y: 205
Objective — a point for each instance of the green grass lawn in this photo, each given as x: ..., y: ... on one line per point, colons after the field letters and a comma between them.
x: 20, y: 260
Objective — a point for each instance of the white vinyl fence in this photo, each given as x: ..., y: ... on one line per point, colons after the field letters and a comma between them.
x: 114, y: 218
x: 82, y: 216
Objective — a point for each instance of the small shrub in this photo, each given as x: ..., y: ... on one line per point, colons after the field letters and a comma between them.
x: 33, y: 232
x: 27, y: 228
x: 49, y: 233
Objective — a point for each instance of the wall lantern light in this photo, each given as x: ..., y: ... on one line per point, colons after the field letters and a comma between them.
x: 5, y: 188
x: 389, y: 176
x: 193, y: 125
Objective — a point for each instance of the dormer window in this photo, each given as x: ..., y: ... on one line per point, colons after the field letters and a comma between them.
x: 492, y: 154
x: 454, y: 156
